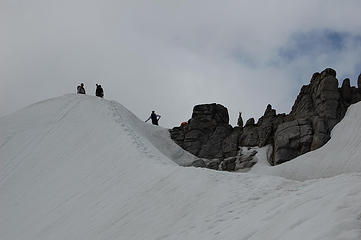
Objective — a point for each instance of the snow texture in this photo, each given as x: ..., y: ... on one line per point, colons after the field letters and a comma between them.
x: 81, y: 167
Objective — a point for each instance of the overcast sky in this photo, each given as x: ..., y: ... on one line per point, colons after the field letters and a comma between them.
x: 170, y: 55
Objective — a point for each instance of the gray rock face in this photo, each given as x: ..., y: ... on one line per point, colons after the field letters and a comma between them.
x: 321, y: 133
x: 249, y: 136
x: 210, y: 114
x: 346, y: 91
x: 267, y: 125
x: 228, y: 164
x: 356, y: 95
x: 243, y: 161
x: 322, y: 105
x: 261, y: 134
x: 292, y: 139
x: 319, y: 106
x: 319, y: 98
x: 316, y: 111
x: 246, y: 160
x: 231, y: 143
x: 213, y: 146
x: 214, y: 164
x: 208, y: 133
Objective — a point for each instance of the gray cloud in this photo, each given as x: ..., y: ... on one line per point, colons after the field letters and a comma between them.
x: 170, y: 55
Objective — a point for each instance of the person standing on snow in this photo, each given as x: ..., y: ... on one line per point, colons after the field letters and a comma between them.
x: 99, y: 91
x: 155, y: 118
x: 81, y: 89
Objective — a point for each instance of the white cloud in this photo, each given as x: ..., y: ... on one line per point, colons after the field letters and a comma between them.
x: 169, y: 55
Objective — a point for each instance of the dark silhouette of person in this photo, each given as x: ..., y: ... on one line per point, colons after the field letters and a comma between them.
x: 81, y: 89
x: 155, y: 118
x: 99, y: 92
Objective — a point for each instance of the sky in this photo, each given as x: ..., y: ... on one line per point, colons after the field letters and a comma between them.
x: 169, y: 56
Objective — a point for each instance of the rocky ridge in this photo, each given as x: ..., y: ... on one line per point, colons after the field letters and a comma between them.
x: 319, y: 106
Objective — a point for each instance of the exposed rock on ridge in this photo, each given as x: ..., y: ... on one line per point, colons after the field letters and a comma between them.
x: 205, y: 132
x: 319, y: 106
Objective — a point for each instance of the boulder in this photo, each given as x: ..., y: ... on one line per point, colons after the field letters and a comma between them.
x: 292, y: 139
x: 214, y: 164
x: 229, y: 164
x: 205, y: 133
x: 199, y: 163
x: 211, y: 114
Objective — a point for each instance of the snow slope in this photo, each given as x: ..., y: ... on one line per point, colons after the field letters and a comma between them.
x: 80, y: 167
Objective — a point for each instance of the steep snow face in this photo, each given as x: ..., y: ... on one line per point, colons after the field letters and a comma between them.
x: 80, y: 167
x: 73, y: 126
x: 341, y: 154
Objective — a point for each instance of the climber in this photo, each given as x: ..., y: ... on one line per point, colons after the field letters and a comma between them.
x: 155, y: 118
x: 80, y: 89
x: 99, y: 91
x: 183, y: 124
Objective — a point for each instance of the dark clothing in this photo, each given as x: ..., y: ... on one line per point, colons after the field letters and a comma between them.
x: 183, y: 124
x: 155, y: 118
x: 80, y: 90
x: 99, y: 91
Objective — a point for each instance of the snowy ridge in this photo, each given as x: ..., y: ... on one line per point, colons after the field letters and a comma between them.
x: 80, y: 167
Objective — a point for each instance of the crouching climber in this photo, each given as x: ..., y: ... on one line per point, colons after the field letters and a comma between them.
x: 99, y: 91
x: 81, y: 89
x: 183, y: 124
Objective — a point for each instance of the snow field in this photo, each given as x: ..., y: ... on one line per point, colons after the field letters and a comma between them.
x: 80, y: 167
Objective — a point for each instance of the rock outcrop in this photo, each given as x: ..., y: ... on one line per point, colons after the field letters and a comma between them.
x: 292, y: 139
x: 319, y: 106
x: 317, y: 109
x: 206, y: 132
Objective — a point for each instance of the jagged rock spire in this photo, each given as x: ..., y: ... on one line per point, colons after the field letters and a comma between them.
x: 319, y: 106
x: 240, y: 120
